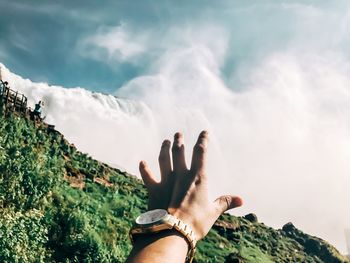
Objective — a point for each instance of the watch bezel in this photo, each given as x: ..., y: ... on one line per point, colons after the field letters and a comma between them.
x: 158, y: 221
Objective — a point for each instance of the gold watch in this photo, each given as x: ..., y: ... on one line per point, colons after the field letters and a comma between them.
x: 158, y: 220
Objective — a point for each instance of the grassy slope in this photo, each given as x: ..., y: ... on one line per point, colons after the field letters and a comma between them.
x: 43, y: 218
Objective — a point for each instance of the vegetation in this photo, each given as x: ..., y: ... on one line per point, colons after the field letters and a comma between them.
x: 59, y: 205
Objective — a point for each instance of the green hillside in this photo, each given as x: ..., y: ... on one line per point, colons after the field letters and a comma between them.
x: 59, y: 205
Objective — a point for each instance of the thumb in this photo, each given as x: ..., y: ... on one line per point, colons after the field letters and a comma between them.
x: 226, y: 202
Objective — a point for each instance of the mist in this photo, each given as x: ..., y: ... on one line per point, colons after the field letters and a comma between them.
x: 282, y: 143
x: 278, y: 118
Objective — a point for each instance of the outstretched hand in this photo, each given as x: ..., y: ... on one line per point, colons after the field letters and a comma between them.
x: 182, y: 191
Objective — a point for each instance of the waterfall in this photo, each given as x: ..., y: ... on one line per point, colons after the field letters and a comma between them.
x: 282, y: 142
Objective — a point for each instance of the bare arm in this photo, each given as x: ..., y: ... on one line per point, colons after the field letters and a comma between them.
x: 183, y: 192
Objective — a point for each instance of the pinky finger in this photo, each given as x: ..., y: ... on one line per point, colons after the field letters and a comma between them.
x: 146, y: 174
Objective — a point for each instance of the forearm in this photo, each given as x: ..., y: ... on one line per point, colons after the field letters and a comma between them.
x: 166, y: 246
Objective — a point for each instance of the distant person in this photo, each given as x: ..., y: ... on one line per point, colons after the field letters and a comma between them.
x: 37, y: 110
x: 179, y: 209
x: 4, y: 87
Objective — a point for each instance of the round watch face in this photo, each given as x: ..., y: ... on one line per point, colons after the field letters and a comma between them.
x: 151, y: 217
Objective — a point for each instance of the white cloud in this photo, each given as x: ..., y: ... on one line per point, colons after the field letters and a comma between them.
x: 114, y: 44
x: 124, y: 44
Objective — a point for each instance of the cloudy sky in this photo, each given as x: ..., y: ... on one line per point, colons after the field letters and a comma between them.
x: 102, y: 46
x: 270, y: 80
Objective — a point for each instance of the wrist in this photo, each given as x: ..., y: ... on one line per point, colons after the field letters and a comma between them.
x: 159, y: 246
x: 143, y: 240
x: 159, y: 224
x: 198, y: 230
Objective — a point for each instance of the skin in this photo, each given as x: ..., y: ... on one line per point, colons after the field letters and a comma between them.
x: 183, y: 192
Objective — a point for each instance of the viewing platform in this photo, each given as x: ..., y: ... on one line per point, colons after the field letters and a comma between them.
x: 12, y: 100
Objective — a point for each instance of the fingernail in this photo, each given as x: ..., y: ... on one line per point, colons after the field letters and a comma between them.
x: 239, y: 201
x: 204, y: 133
x: 178, y: 135
x: 166, y: 143
x: 143, y: 164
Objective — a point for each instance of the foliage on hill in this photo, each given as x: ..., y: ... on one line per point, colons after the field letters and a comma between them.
x: 59, y: 205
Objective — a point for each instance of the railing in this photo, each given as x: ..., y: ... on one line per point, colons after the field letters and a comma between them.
x: 12, y: 100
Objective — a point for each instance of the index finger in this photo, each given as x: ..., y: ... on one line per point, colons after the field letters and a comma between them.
x: 200, y: 153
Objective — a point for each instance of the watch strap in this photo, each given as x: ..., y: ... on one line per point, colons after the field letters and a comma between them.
x: 190, y: 236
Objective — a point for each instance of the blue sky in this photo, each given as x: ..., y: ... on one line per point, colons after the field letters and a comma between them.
x: 103, y: 46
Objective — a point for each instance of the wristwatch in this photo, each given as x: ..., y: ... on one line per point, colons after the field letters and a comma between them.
x: 157, y: 220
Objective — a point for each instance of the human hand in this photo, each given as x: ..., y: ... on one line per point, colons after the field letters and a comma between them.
x: 182, y: 191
